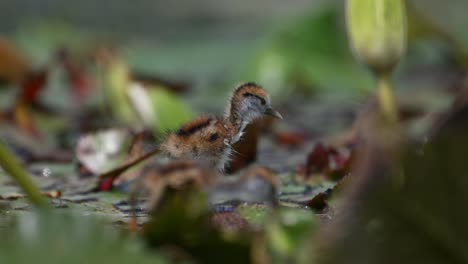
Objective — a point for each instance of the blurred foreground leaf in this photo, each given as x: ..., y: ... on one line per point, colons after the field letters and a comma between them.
x: 287, y: 232
x: 62, y: 238
x: 181, y: 227
x: 409, y: 212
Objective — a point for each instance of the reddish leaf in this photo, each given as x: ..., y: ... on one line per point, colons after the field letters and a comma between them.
x: 32, y: 86
x: 317, y: 160
x: 105, y: 184
x: 327, y: 161
x: 292, y: 139
x: 77, y: 78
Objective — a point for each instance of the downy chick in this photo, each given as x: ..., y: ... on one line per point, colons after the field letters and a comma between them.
x: 208, y: 139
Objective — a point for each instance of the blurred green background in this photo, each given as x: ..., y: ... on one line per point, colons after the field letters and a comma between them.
x: 209, y: 42
x: 294, y: 46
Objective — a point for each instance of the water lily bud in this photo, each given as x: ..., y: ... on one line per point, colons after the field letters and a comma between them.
x: 377, y: 30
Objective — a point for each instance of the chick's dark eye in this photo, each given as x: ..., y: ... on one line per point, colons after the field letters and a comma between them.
x: 213, y: 137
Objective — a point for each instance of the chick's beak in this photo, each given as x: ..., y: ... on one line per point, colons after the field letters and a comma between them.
x: 273, y: 113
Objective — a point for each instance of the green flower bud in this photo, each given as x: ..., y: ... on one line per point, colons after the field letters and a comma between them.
x: 377, y: 30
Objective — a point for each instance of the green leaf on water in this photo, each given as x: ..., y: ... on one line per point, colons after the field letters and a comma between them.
x: 169, y: 112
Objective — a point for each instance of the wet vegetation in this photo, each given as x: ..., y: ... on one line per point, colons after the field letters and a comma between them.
x: 364, y: 162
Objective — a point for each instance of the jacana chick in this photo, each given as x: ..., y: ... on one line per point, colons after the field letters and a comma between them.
x: 209, y: 139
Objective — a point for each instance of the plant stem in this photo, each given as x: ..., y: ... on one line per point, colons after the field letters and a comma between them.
x: 386, y: 98
x: 9, y: 163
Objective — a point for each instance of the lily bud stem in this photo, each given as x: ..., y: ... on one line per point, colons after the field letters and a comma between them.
x: 386, y: 98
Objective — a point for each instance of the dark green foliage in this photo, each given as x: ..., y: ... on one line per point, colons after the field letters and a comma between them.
x: 183, y: 221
